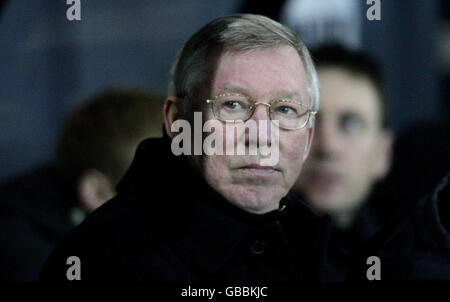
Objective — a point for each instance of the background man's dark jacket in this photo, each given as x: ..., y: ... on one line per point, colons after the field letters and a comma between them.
x: 167, y: 224
x: 35, y: 214
x: 416, y: 247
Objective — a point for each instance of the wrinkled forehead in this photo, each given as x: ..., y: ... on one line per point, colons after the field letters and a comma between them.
x: 275, y: 72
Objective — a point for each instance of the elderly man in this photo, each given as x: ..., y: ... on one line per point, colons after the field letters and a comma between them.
x: 220, y: 216
x: 211, y: 214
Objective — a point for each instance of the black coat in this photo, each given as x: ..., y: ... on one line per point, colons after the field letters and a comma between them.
x: 167, y: 224
x: 415, y: 246
x: 34, y: 216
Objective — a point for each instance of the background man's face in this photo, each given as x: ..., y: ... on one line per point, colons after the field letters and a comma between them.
x: 263, y: 75
x: 350, y: 150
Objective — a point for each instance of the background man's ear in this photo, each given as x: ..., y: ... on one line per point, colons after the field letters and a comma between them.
x: 170, y: 114
x: 94, y: 189
x: 310, y: 133
x: 384, y: 154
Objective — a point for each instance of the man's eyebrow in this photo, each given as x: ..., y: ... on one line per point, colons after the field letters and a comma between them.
x: 281, y: 94
x: 292, y: 96
x: 286, y: 94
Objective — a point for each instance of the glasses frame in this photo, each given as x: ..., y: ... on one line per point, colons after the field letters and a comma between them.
x: 309, y: 112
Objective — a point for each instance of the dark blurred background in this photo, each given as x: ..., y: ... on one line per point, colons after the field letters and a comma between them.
x: 48, y: 63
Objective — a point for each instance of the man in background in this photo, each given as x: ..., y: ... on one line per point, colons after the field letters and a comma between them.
x: 352, y: 147
x: 94, y: 150
x: 351, y: 153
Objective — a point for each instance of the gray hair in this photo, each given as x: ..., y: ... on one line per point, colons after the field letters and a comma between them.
x: 191, y: 70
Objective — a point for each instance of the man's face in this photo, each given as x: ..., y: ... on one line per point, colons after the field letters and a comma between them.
x: 263, y: 75
x: 350, y: 150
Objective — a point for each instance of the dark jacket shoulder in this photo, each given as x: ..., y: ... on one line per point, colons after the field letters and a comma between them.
x: 415, y: 246
x: 34, y: 216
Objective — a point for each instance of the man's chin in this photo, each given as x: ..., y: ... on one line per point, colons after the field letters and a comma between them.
x: 255, y: 198
x: 259, y: 207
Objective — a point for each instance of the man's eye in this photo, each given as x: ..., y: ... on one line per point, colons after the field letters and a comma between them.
x: 286, y: 110
x: 351, y: 123
x: 233, y: 105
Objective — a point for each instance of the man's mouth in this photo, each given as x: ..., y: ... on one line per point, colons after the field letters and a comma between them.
x: 258, y: 169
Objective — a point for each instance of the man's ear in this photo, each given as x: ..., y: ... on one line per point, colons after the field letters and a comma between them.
x: 310, y: 133
x: 384, y: 153
x: 171, y: 113
x: 94, y: 189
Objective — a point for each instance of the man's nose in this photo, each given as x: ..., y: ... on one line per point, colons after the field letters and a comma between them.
x: 263, y: 124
